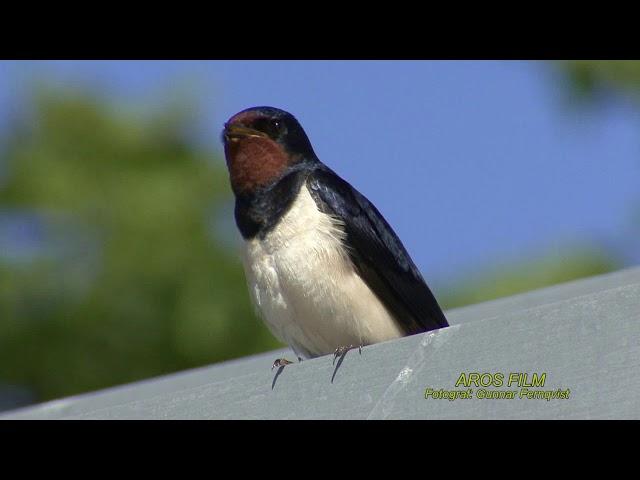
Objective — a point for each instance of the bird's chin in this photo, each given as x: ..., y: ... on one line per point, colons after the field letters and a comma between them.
x: 254, y: 162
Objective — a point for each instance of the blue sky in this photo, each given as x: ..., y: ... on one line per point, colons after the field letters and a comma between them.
x: 471, y: 162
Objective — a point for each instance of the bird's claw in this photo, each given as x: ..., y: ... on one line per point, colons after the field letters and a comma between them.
x: 280, y: 362
x: 341, y: 351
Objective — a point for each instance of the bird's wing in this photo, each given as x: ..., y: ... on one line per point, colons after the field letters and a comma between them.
x: 377, y: 253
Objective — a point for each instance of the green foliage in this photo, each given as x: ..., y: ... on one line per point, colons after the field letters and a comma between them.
x: 132, y: 281
x: 509, y: 278
x: 591, y: 79
x: 591, y: 82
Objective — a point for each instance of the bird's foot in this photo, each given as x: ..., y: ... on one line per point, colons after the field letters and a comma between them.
x: 280, y: 362
x: 342, y: 351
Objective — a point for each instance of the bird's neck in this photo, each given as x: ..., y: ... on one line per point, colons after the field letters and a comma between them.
x: 258, y: 211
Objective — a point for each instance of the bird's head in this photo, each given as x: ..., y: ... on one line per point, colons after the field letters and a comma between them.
x: 261, y: 144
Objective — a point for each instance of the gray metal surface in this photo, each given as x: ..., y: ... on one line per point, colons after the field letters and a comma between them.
x: 584, y: 335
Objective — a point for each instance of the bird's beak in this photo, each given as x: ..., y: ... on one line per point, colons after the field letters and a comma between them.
x: 236, y: 131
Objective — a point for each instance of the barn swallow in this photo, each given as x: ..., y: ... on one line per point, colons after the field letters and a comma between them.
x: 324, y: 269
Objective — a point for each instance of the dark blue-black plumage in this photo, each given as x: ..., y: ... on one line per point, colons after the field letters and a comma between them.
x: 377, y: 253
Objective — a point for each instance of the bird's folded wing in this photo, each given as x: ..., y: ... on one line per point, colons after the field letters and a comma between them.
x: 377, y: 253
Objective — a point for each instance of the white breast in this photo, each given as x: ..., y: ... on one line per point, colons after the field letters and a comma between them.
x: 305, y: 288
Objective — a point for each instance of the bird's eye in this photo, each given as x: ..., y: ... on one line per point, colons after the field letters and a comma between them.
x: 277, y: 128
x: 272, y: 127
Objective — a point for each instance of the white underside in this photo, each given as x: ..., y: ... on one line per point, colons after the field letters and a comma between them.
x: 305, y: 288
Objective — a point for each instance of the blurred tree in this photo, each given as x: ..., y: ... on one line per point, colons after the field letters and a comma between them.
x: 516, y: 276
x: 595, y: 80
x: 590, y: 83
x: 126, y: 279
